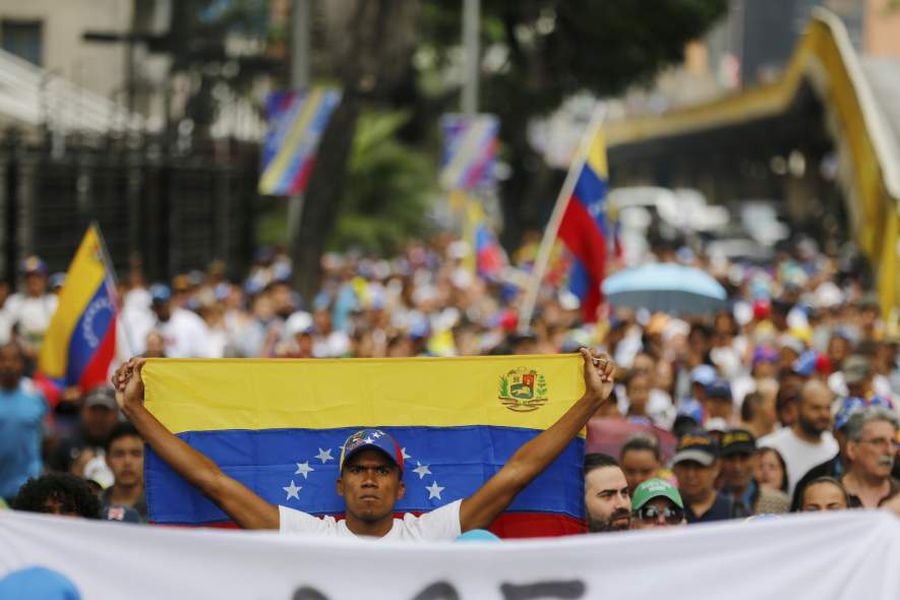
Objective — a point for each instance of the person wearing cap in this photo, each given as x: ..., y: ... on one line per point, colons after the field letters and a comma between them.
x: 32, y: 309
x: 657, y: 503
x: 97, y: 416
x: 696, y: 465
x: 185, y: 333
x: 808, y: 442
x: 371, y: 471
x: 738, y: 449
x: 871, y: 449
x: 22, y: 411
x: 718, y: 403
x: 607, y: 501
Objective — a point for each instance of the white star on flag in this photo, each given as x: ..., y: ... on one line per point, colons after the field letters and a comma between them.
x: 376, y: 434
x: 368, y: 440
x: 434, y: 490
x: 293, y: 490
x: 324, y: 455
x: 404, y: 454
x: 303, y: 469
x: 421, y: 470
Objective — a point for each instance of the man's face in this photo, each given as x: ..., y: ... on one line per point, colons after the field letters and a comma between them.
x: 653, y: 514
x: 11, y: 366
x: 639, y: 466
x: 873, y: 454
x: 695, y: 481
x: 126, y: 460
x: 98, y: 420
x: 814, y: 411
x: 607, y: 500
x: 717, y: 407
x: 737, y: 470
x: 35, y: 284
x: 371, y: 486
x: 823, y: 496
x: 163, y: 310
x: 638, y: 391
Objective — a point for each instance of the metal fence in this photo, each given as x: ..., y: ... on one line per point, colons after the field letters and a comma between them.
x: 175, y: 212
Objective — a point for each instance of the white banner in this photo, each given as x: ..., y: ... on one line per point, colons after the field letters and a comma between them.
x: 838, y: 555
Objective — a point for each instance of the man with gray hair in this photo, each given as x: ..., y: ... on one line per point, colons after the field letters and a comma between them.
x: 871, y: 439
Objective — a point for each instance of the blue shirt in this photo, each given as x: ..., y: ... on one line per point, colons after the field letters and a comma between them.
x: 721, y: 509
x: 21, y: 414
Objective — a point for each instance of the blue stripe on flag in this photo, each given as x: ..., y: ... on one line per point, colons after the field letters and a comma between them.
x: 457, y: 460
x: 89, y: 332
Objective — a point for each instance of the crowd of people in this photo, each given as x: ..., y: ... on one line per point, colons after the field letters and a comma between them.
x: 785, y: 400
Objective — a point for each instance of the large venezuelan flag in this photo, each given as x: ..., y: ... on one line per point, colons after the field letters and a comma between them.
x: 80, y: 342
x: 584, y: 229
x: 278, y: 425
x: 297, y: 122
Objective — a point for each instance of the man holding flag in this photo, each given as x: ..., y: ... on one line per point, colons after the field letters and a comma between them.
x: 371, y: 471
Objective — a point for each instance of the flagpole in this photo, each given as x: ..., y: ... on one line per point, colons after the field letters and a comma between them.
x: 559, y: 209
x: 111, y: 280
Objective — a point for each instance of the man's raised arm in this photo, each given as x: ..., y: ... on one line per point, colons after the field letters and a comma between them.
x: 479, y: 509
x: 246, y: 508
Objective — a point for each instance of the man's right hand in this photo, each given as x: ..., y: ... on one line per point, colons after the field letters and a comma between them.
x: 129, y: 385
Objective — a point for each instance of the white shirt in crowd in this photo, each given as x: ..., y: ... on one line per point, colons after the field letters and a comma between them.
x: 32, y: 314
x: 439, y: 524
x: 186, y: 335
x: 799, y: 455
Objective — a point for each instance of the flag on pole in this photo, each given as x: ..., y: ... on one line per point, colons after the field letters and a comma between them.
x: 80, y: 343
x: 297, y: 121
x: 488, y: 258
x: 277, y: 426
x: 470, y: 151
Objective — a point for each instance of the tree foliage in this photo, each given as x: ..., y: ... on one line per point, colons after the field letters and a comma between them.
x: 387, y: 189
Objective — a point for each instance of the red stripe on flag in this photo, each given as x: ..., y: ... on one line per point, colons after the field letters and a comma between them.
x: 507, y: 525
x: 582, y: 236
x: 95, y: 372
x: 303, y: 176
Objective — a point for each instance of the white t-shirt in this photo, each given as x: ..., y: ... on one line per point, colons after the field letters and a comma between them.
x: 799, y: 455
x: 186, y: 335
x: 439, y: 524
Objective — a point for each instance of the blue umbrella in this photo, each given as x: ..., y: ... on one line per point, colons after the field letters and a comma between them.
x: 666, y: 287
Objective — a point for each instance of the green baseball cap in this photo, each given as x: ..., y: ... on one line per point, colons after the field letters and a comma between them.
x: 655, y: 488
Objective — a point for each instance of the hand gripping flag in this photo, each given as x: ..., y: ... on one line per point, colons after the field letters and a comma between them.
x: 297, y: 121
x: 80, y: 342
x: 277, y: 426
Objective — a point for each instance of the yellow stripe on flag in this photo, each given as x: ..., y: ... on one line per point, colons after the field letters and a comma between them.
x: 85, y: 274
x: 286, y: 153
x: 596, y: 157
x: 199, y: 395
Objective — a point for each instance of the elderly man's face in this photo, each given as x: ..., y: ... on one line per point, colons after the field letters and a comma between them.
x: 874, y: 454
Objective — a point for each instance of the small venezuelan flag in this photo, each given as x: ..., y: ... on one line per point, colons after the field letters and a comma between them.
x: 297, y: 121
x: 584, y: 229
x: 80, y: 342
x: 277, y: 426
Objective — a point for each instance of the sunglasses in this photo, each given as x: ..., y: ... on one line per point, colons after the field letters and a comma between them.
x: 650, y: 514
